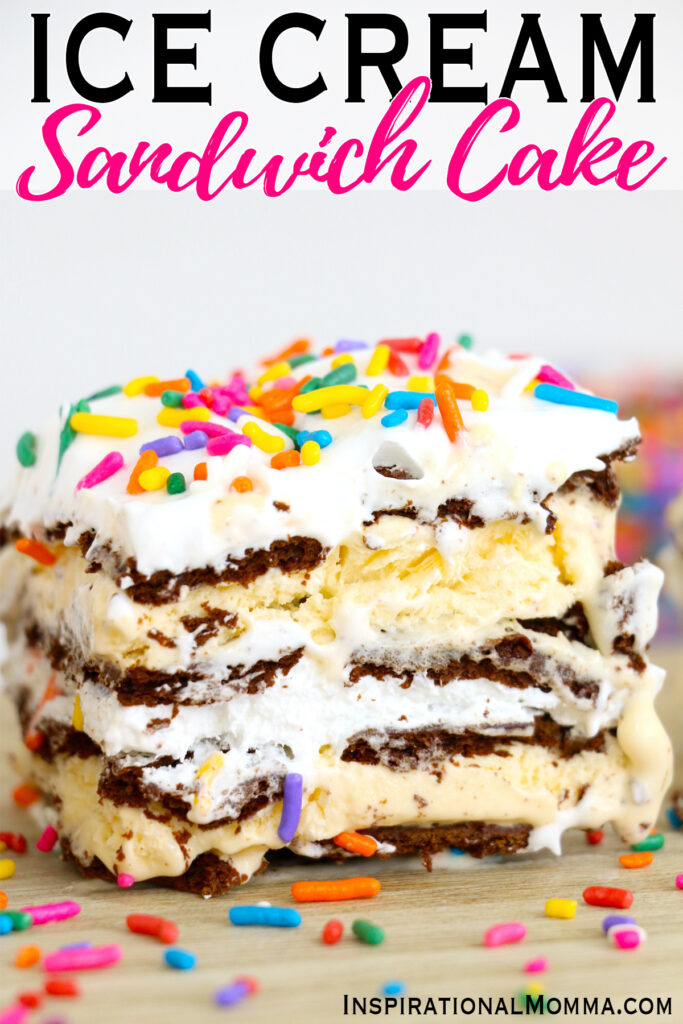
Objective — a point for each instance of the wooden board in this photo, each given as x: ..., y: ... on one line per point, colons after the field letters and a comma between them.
x: 434, y: 925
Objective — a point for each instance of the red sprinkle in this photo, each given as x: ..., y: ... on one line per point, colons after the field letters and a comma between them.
x: 332, y: 932
x: 403, y: 344
x: 30, y: 999
x: 397, y: 366
x: 599, y: 896
x: 158, y: 927
x: 425, y: 412
x: 595, y: 838
x: 252, y: 983
x: 62, y: 987
x: 14, y: 840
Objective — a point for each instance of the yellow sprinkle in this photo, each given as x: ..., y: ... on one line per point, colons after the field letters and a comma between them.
x: 154, y: 479
x: 375, y: 400
x: 273, y: 372
x: 378, y: 360
x: 212, y: 764
x: 170, y: 417
x: 263, y: 440
x: 532, y: 384
x: 333, y: 412
x: 137, y: 385
x: 338, y: 394
x: 310, y: 453
x: 534, y: 988
x: 103, y: 426
x: 255, y: 410
x: 560, y: 908
x: 342, y: 360
x: 7, y: 869
x: 480, y: 400
x: 420, y: 384
x: 77, y: 717
x: 255, y: 393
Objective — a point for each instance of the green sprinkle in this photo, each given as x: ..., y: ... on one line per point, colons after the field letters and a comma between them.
x: 115, y: 389
x: 655, y: 842
x: 466, y: 341
x: 171, y: 398
x: 66, y: 435
x: 26, y: 449
x: 367, y: 932
x: 532, y: 1002
x: 175, y: 484
x: 289, y: 431
x: 20, y: 920
x: 343, y: 374
x: 299, y: 361
x: 83, y: 405
x: 311, y: 385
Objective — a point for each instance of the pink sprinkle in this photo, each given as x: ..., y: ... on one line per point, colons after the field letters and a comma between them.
x: 192, y: 400
x: 52, y: 911
x: 221, y: 404
x: 47, y: 840
x: 109, y: 465
x: 679, y: 881
x: 14, y: 1014
x: 212, y: 429
x: 536, y: 966
x: 225, y: 443
x: 82, y: 959
x: 285, y: 382
x: 428, y: 351
x: 548, y: 375
x: 626, y: 938
x: 502, y: 934
x: 125, y: 881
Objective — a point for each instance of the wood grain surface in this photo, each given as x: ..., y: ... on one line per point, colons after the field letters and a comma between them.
x: 434, y: 923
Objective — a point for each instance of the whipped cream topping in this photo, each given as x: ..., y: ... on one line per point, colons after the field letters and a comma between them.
x: 506, y: 461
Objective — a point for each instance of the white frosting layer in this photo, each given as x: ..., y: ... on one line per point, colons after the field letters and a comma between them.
x: 506, y: 461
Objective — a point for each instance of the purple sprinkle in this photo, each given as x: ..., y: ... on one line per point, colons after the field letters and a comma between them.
x: 197, y: 439
x: 612, y: 919
x: 291, y: 807
x: 225, y: 443
x: 77, y: 945
x: 235, y: 413
x: 350, y: 346
x: 231, y: 994
x: 163, y: 446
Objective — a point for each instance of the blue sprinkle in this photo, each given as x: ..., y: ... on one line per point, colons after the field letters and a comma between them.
x: 163, y: 446
x: 457, y: 852
x: 393, y: 988
x: 406, y: 399
x: 180, y: 959
x: 273, y: 917
x: 394, y: 419
x: 323, y: 437
x: 302, y: 437
x: 350, y: 346
x: 674, y: 820
x: 6, y: 924
x: 612, y: 919
x: 231, y: 994
x: 196, y: 381
x: 196, y: 439
x: 563, y: 396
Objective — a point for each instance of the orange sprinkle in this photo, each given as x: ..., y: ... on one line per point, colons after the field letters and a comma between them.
x: 34, y: 549
x: 200, y: 471
x: 459, y: 390
x: 636, y: 860
x: 445, y: 360
x: 397, y: 366
x: 344, y: 889
x: 354, y: 842
x: 27, y: 956
x: 297, y: 348
x: 448, y: 407
x: 328, y: 351
x: 242, y: 484
x: 25, y: 794
x: 147, y: 460
x: 284, y: 460
x: 157, y: 387
x: 3, y: 900
x: 282, y: 415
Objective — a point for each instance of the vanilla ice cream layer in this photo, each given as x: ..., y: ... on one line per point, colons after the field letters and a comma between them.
x: 398, y: 579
